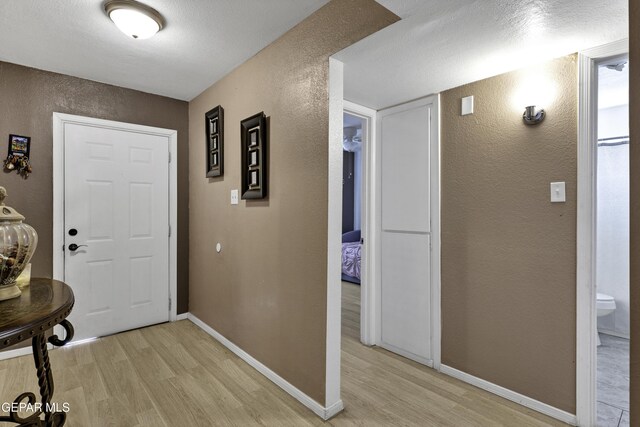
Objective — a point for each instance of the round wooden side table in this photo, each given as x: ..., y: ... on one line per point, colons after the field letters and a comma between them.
x: 44, y: 304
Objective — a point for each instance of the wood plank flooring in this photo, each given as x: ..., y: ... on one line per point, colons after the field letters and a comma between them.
x: 176, y: 375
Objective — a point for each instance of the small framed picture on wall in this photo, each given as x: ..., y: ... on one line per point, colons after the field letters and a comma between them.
x: 253, y: 134
x: 214, y: 133
x: 18, y: 155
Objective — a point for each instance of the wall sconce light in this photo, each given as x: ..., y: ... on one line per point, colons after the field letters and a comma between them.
x: 530, y: 117
x: 135, y: 19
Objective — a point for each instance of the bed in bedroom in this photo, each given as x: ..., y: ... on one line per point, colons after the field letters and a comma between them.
x: 351, y: 249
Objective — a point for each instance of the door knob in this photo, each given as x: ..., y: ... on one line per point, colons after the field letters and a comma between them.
x: 73, y: 247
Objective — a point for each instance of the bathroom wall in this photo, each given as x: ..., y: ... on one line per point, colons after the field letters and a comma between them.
x: 612, y: 266
x: 29, y: 98
x: 267, y: 290
x: 634, y: 154
x: 508, y: 253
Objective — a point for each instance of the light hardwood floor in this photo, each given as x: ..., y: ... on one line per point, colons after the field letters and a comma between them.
x: 176, y: 375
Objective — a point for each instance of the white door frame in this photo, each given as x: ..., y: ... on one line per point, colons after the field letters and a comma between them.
x: 586, y: 318
x: 436, y: 277
x: 59, y: 121
x: 368, y: 330
x: 435, y: 197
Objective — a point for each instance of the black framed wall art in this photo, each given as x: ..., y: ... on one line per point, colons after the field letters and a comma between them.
x: 214, y: 131
x: 253, y: 134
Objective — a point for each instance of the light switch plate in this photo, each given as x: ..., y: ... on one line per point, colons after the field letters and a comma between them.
x: 558, y: 194
x: 234, y: 197
x: 467, y: 105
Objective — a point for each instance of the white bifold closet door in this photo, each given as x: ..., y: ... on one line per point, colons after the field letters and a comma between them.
x: 405, y: 133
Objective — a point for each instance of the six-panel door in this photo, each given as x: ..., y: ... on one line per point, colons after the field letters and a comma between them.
x: 117, y: 199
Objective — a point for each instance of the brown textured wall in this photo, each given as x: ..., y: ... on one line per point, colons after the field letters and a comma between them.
x: 508, y: 254
x: 266, y: 291
x: 29, y: 98
x: 634, y: 123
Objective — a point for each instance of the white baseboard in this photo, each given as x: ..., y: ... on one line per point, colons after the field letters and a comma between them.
x: 330, y: 411
x: 323, y: 412
x: 182, y: 316
x: 523, y: 400
x: 10, y: 354
x: 407, y: 354
x: 24, y: 351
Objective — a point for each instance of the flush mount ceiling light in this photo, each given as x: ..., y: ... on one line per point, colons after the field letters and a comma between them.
x: 135, y: 19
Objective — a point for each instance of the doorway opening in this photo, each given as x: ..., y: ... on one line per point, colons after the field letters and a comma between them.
x: 354, y: 137
x: 612, y: 243
x: 358, y: 273
x: 602, y: 228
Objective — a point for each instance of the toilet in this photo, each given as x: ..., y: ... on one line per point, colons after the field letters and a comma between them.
x: 605, y: 305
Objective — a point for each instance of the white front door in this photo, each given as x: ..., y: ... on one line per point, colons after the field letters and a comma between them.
x: 406, y: 287
x: 116, y: 210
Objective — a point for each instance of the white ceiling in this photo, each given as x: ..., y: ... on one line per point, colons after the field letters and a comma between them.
x: 438, y: 45
x: 446, y: 43
x: 203, y: 40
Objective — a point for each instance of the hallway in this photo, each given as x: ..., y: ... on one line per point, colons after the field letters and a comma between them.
x: 174, y: 374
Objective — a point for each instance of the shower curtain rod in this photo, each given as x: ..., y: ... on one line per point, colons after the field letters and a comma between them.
x: 613, y: 141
